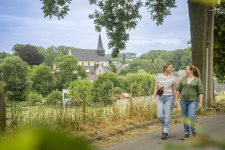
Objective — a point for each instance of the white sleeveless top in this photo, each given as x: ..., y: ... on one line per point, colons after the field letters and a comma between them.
x: 168, y: 88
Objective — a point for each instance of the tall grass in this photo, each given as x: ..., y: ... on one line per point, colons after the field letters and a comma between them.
x: 98, y: 121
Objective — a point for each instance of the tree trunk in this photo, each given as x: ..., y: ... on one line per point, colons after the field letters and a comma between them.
x: 202, y: 28
x: 196, y: 15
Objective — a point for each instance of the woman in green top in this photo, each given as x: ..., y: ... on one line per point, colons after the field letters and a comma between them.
x: 191, y: 90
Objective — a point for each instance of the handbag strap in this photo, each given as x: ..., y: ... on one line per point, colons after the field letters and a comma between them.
x: 167, y: 80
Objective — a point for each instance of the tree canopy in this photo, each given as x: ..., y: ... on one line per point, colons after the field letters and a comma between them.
x: 43, y: 79
x: 52, y: 52
x: 154, y: 60
x: 29, y: 54
x: 219, y: 47
x: 16, y: 76
x: 68, y: 71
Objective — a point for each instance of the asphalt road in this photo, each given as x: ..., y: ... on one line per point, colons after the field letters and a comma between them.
x: 213, y: 126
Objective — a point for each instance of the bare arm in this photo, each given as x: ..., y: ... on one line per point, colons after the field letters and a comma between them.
x: 174, y: 89
x: 176, y: 98
x: 177, y: 95
x: 155, y: 92
x: 200, y: 101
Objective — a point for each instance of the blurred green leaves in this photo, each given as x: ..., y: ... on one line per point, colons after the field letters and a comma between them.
x: 42, y: 138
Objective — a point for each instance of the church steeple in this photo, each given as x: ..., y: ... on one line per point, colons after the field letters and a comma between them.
x: 100, y: 48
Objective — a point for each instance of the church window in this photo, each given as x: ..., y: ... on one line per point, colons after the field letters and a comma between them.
x: 88, y: 63
x: 82, y: 63
x: 99, y: 71
x: 102, y: 64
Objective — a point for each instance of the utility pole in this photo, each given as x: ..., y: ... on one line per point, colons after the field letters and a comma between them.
x: 207, y: 78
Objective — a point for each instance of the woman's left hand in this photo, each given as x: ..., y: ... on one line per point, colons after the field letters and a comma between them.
x: 199, y: 105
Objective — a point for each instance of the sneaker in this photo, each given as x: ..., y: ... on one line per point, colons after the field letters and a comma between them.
x: 185, y: 137
x: 164, y: 136
x: 195, y: 134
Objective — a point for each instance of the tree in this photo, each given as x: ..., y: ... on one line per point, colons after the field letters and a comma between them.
x: 165, y: 56
x: 175, y: 58
x: 117, y: 17
x: 14, y: 48
x: 68, y: 71
x: 140, y: 84
x: 147, y: 65
x: 55, y: 8
x: 134, y: 65
x: 112, y: 67
x: 43, y: 79
x: 54, y: 97
x: 219, y: 47
x: 185, y: 60
x: 80, y: 92
x: 103, y: 87
x: 34, y: 97
x: 3, y: 55
x: 16, y: 76
x: 29, y: 54
x: 123, y: 72
x: 52, y: 52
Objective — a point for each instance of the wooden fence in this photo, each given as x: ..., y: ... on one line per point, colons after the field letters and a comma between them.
x: 2, y: 113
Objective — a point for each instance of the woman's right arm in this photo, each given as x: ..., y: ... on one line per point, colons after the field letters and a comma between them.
x: 179, y: 88
x: 155, y: 92
x: 176, y: 99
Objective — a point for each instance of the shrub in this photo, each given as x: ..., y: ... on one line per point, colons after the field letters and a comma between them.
x: 54, y: 97
x: 80, y: 90
x: 34, y: 97
x: 141, y: 84
x: 103, y: 87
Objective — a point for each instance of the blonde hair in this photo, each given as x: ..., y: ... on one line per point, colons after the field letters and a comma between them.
x: 166, y: 65
x: 195, y: 70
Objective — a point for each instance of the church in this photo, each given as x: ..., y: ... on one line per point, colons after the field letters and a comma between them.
x: 93, y: 60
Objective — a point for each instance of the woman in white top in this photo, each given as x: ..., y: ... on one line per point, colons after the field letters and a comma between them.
x: 165, y: 101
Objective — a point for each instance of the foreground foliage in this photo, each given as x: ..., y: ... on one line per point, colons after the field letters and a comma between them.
x: 42, y: 138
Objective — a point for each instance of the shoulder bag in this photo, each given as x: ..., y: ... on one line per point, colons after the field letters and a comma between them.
x: 161, y: 90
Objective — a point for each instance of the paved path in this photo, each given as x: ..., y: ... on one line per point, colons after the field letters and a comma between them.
x: 214, y: 127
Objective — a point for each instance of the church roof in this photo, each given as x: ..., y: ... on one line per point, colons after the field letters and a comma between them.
x: 87, y: 55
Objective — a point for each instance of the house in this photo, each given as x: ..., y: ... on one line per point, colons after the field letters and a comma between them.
x: 181, y: 73
x: 124, y: 95
x: 93, y: 60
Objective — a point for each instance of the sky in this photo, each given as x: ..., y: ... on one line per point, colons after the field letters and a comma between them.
x: 23, y: 22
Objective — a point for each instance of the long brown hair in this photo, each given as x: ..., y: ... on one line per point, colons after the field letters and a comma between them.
x: 195, y: 71
x: 166, y: 65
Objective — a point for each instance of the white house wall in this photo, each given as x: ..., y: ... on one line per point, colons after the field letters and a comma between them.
x: 92, y: 63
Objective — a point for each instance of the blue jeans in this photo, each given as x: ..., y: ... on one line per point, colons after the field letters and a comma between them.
x: 164, y: 109
x: 188, y: 111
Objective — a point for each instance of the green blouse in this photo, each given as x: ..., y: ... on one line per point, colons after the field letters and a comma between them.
x: 191, y: 91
